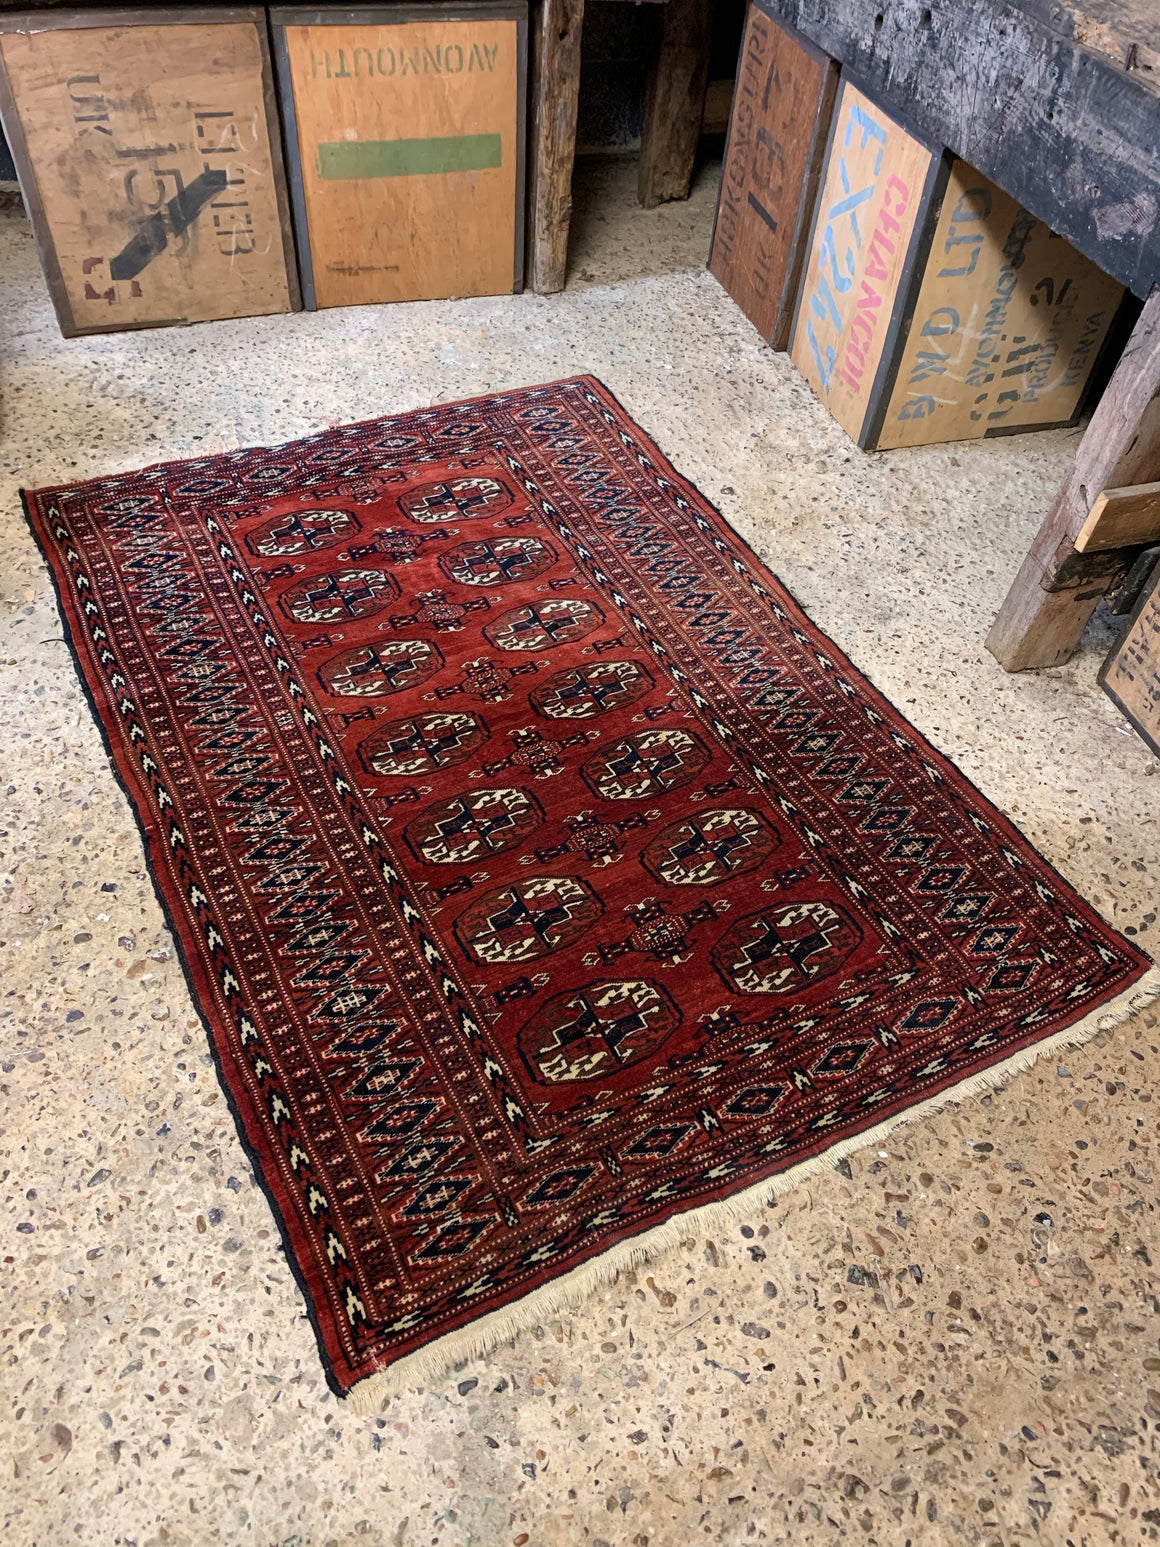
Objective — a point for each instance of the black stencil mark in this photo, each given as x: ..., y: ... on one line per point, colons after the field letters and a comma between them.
x: 152, y: 238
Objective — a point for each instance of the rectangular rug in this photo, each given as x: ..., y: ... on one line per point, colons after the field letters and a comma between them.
x: 547, y: 883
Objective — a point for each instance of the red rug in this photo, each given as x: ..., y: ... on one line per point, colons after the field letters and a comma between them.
x: 540, y: 871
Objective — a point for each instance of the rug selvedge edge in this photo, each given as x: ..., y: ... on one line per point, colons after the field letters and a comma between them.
x: 570, y: 1290
x: 278, y: 1211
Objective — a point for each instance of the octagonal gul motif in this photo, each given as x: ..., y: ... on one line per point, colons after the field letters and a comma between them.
x: 369, y: 671
x: 582, y: 692
x: 540, y: 625
x: 302, y: 531
x: 422, y: 742
x: 594, y: 1032
x: 498, y: 560
x: 456, y: 499
x: 339, y: 596
x: 527, y: 919
x: 786, y: 947
x: 646, y: 763
x: 474, y: 825
x: 710, y: 846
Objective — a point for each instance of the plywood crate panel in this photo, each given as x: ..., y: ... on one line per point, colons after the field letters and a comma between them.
x: 148, y: 149
x: 404, y: 133
x: 932, y: 307
x: 780, y: 118
x: 1131, y: 674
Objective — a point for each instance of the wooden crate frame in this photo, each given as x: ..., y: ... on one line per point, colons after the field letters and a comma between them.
x: 912, y: 275
x: 801, y: 235
x: 52, y: 20
x: 1149, y: 597
x: 282, y: 17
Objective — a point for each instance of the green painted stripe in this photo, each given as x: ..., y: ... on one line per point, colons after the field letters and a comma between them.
x: 340, y: 159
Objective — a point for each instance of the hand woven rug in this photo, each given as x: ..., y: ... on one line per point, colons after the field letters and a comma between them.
x: 548, y: 884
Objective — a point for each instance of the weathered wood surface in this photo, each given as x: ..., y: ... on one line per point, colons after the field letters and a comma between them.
x: 1013, y: 88
x: 1131, y: 674
x: 782, y: 105
x: 1128, y: 31
x: 407, y: 145
x: 1057, y: 589
x: 1121, y: 518
x: 554, y: 89
x: 149, y: 153
x: 674, y: 101
x: 718, y: 103
x: 873, y: 201
x: 1006, y: 329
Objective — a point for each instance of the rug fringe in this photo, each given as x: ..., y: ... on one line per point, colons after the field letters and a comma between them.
x: 480, y: 1337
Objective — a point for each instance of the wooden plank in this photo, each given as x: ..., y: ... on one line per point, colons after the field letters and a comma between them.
x: 783, y: 104
x: 405, y: 146
x: 1121, y: 518
x: 718, y: 105
x: 557, y: 28
x: 1007, y: 325
x: 878, y: 183
x: 1011, y: 87
x: 1131, y: 674
x: 674, y: 101
x: 1128, y: 31
x: 1054, y: 594
x: 149, y: 153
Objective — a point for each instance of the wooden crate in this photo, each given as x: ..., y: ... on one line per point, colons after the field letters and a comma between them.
x: 782, y: 103
x: 932, y: 306
x: 148, y: 148
x: 1131, y: 674
x: 405, y: 140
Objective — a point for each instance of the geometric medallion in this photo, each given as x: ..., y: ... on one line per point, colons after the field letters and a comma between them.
x: 594, y: 1032
x: 422, y: 742
x: 338, y: 595
x: 456, y: 499
x: 497, y: 560
x: 389, y: 667
x: 785, y: 947
x: 540, y: 625
x: 527, y: 919
x: 710, y: 846
x: 645, y: 763
x: 580, y: 692
x: 302, y: 531
x: 470, y: 826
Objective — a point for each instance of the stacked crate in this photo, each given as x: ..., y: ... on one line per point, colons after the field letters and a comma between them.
x: 927, y: 305
x: 149, y: 153
x: 149, y: 145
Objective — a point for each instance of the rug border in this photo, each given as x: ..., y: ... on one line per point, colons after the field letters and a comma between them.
x: 481, y: 1335
x: 370, y: 1395
x: 842, y: 659
x: 249, y: 1149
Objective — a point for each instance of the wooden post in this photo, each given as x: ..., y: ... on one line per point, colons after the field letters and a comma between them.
x: 674, y: 102
x: 1057, y: 589
x: 557, y: 26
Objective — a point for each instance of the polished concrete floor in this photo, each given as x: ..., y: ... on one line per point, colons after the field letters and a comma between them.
x: 954, y: 1338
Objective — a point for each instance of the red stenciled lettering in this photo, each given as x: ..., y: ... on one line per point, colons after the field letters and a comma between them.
x: 896, y: 182
x: 866, y: 311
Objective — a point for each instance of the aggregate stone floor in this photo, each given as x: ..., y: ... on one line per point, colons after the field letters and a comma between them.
x: 953, y: 1338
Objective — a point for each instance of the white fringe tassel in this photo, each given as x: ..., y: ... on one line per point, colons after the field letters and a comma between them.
x: 570, y: 1290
